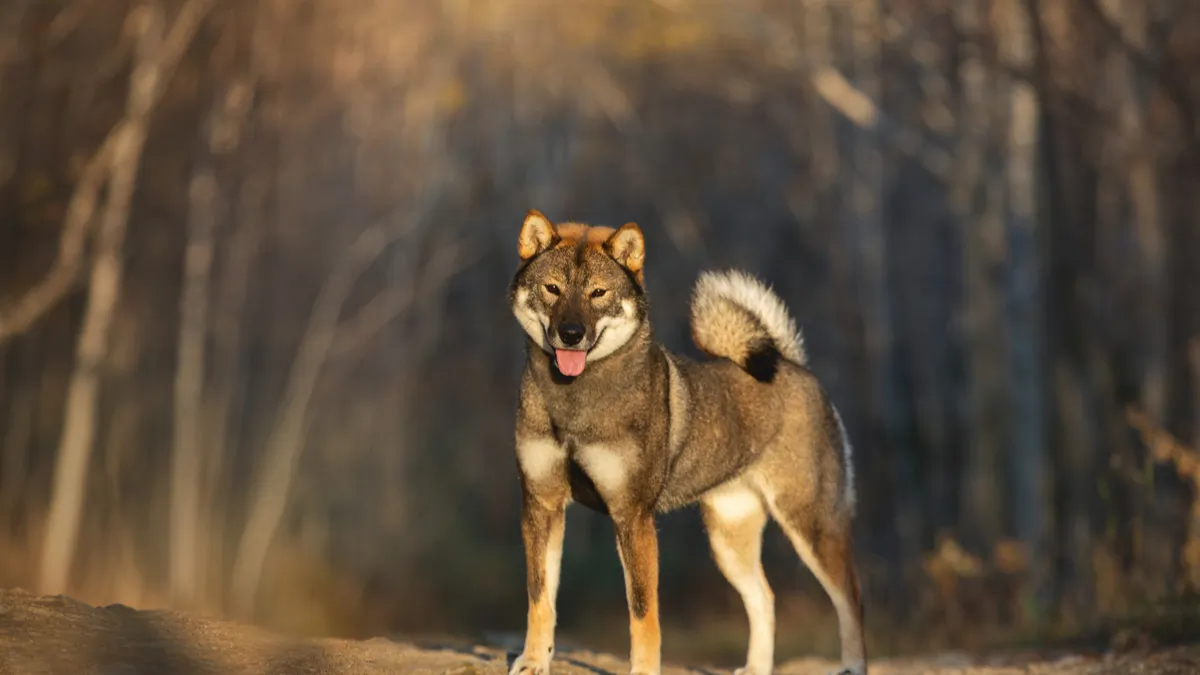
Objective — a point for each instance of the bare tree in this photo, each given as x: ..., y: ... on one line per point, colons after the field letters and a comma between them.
x: 157, y: 54
x: 984, y: 249
x: 14, y: 462
x: 1134, y: 157
x: 282, y: 453
x: 35, y: 302
x: 12, y: 17
x: 1030, y: 484
x: 188, y: 471
x: 185, y: 532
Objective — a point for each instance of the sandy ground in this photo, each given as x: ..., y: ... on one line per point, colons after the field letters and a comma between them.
x: 53, y: 635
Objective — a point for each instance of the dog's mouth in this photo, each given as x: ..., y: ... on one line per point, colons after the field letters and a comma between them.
x: 570, y: 362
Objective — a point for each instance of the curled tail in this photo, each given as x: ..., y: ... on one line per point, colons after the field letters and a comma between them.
x: 738, y: 317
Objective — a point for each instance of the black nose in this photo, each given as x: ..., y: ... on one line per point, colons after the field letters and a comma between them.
x: 571, y: 333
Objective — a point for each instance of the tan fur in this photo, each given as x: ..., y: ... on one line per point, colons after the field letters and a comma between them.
x: 627, y: 248
x: 640, y: 431
x: 638, y: 548
x: 537, y: 233
x: 732, y: 310
x: 735, y: 518
x: 572, y: 234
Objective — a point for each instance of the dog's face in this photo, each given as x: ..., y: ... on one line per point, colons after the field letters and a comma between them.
x: 579, y: 293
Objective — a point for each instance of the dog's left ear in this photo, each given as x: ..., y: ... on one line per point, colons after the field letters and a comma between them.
x: 628, y: 247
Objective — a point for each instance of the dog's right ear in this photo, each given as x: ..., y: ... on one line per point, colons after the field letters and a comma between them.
x: 537, y: 234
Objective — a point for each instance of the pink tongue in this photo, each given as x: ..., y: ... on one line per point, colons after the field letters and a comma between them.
x: 570, y: 361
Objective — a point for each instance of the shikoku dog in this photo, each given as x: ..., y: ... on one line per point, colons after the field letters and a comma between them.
x: 609, y: 418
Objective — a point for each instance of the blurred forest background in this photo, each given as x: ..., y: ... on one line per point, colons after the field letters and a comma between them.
x: 257, y: 361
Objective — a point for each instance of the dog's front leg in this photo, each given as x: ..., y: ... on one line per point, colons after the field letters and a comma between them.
x: 542, y: 527
x: 637, y: 543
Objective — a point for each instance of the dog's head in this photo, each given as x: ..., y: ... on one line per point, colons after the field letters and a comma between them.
x: 579, y: 293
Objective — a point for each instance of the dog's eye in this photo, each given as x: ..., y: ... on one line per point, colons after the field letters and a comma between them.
x: 552, y: 289
x: 598, y: 293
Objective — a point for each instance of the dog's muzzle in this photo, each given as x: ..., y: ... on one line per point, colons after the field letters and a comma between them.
x: 571, y: 334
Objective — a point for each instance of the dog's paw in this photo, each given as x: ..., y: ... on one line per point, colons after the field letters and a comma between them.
x: 852, y: 670
x: 524, y: 665
x: 747, y: 670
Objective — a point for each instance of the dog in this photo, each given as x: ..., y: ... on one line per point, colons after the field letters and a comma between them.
x: 609, y: 418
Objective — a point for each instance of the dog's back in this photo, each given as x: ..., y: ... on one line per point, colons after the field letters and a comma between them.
x: 756, y: 408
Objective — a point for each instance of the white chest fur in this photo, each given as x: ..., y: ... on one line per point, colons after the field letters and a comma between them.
x: 608, y: 466
x: 540, y: 458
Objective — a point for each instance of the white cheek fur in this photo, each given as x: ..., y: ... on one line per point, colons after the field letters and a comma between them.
x: 533, y: 323
x: 614, y: 331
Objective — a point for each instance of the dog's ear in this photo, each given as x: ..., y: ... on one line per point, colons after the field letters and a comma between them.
x: 628, y: 247
x: 537, y: 234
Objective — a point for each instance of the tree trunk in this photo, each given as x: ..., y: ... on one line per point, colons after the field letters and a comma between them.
x: 282, y: 454
x: 19, y: 377
x: 186, y: 528
x: 155, y: 61
x: 1029, y: 459
x: 864, y: 209
x: 984, y: 250
x: 12, y: 37
x: 191, y: 452
x: 224, y: 404
x: 79, y: 425
x: 1069, y: 200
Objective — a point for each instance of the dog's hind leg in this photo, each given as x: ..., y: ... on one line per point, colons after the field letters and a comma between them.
x: 825, y: 543
x: 735, y: 518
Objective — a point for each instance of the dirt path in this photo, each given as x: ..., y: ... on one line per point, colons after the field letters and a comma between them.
x: 53, y: 635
